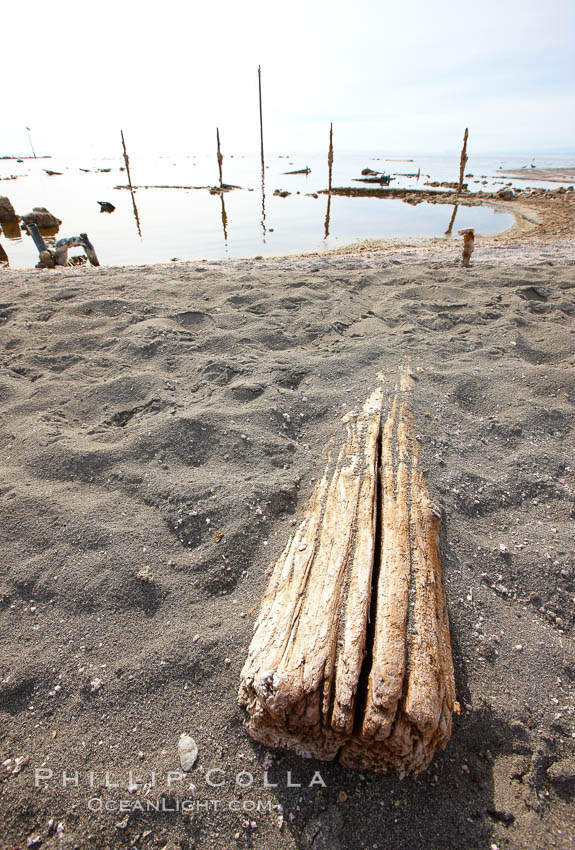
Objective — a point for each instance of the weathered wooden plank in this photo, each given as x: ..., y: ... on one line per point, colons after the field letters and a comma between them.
x: 351, y: 656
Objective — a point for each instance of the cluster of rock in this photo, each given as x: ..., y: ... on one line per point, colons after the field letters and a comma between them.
x: 39, y: 215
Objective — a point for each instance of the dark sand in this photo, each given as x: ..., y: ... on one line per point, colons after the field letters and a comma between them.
x: 161, y: 432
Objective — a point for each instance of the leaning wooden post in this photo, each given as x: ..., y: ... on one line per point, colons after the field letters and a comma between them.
x: 220, y: 158
x: 30, y: 140
x: 3, y: 256
x: 127, y: 162
x: 261, y: 114
x: 463, y: 161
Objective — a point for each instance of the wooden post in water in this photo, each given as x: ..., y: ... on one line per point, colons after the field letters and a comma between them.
x: 463, y: 161
x: 30, y: 140
x: 329, y: 166
x: 127, y: 161
x: 220, y: 157
x: 261, y: 114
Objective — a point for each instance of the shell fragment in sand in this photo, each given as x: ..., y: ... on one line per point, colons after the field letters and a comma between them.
x: 188, y: 752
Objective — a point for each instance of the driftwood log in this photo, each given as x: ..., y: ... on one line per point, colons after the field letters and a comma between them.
x: 351, y: 655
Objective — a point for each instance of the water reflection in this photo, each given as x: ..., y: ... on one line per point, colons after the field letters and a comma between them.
x: 135, y: 208
x: 224, y: 218
x: 327, y: 216
x: 451, y: 221
x: 12, y: 229
x: 329, y: 166
x: 263, y: 221
x: 49, y: 232
x: 301, y: 225
x: 220, y: 158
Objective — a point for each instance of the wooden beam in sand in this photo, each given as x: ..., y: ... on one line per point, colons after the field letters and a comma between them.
x: 463, y: 161
x: 351, y: 656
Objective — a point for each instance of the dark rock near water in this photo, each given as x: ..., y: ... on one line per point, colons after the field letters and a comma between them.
x: 7, y: 212
x: 42, y: 217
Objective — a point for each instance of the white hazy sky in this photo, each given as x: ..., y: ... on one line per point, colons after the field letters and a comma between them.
x: 392, y: 75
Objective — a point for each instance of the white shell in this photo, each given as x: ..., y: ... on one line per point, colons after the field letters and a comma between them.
x: 188, y: 752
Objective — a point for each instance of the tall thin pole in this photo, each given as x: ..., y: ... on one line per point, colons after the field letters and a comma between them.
x: 261, y: 113
x: 463, y: 161
x: 30, y: 140
x: 220, y: 157
x: 127, y: 161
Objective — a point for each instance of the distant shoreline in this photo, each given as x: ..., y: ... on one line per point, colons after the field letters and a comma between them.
x: 553, y: 175
x: 18, y: 158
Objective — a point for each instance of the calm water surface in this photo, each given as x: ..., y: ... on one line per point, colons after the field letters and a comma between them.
x: 190, y: 223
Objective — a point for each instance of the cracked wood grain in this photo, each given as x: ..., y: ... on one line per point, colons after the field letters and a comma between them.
x: 351, y: 655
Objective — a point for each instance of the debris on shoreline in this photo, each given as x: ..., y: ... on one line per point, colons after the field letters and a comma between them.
x: 42, y: 218
x: 445, y: 184
x: 7, y: 211
x: 383, y: 179
x: 226, y: 187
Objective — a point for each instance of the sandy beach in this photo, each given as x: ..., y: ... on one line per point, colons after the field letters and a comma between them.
x: 162, y: 430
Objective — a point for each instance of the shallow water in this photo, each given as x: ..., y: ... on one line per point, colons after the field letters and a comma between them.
x: 189, y: 223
